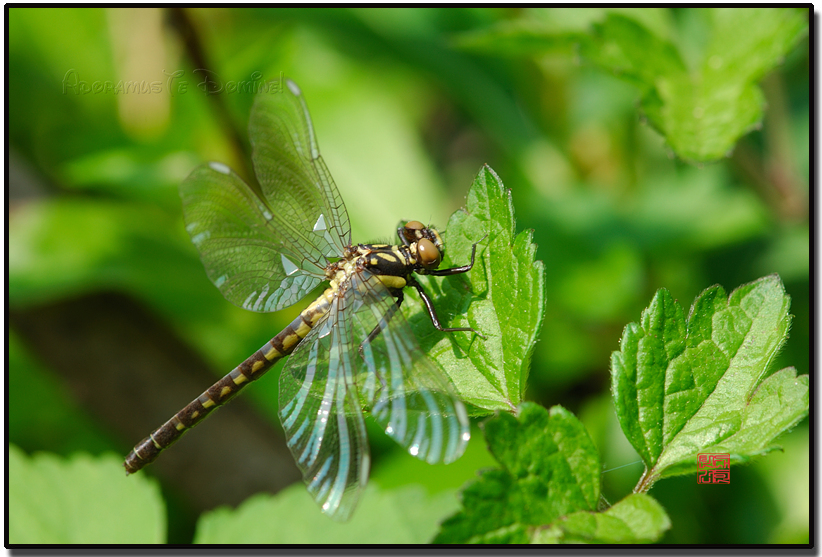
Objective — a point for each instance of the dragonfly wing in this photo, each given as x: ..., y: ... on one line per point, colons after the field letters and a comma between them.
x: 407, y: 394
x: 245, y: 256
x: 322, y: 418
x: 293, y: 177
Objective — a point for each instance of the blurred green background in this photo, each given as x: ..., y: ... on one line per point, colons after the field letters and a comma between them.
x: 114, y: 325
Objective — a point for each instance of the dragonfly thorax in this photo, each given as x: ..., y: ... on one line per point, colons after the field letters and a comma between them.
x: 421, y: 252
x: 339, y: 272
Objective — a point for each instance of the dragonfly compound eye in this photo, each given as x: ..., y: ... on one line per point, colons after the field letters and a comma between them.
x: 428, y: 254
x: 411, y: 232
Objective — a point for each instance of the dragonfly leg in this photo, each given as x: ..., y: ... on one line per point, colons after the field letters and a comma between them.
x: 455, y: 271
x: 430, y: 307
x: 382, y: 324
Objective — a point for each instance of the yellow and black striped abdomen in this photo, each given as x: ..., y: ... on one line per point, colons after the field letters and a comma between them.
x: 254, y: 367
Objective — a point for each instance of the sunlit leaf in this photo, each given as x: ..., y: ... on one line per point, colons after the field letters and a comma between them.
x: 80, y: 500
x: 636, y: 519
x: 398, y: 516
x: 705, y: 384
x: 549, y: 468
x: 504, y: 299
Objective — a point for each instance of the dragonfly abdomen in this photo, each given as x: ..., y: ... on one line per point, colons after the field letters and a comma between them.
x: 254, y: 367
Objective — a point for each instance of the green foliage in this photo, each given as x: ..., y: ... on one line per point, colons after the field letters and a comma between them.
x: 403, y: 515
x: 39, y: 414
x: 547, y: 488
x: 704, y: 108
x: 680, y: 388
x: 706, y: 384
x: 701, y: 104
x: 636, y: 519
x: 80, y: 500
x: 503, y: 298
x: 554, y: 30
x: 88, y: 244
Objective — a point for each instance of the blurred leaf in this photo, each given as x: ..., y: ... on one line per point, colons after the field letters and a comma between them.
x: 81, y: 500
x: 547, y: 30
x: 52, y: 119
x: 681, y: 388
x: 549, y: 469
x: 520, y: 37
x: 636, y: 519
x: 129, y: 174
x: 399, y: 516
x: 702, y: 111
x: 788, y: 254
x: 595, y: 240
x: 396, y: 469
x: 696, y: 209
x: 62, y: 247
x: 787, y: 475
x: 504, y: 301
x: 42, y: 413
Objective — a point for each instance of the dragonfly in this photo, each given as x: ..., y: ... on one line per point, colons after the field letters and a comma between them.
x: 265, y: 247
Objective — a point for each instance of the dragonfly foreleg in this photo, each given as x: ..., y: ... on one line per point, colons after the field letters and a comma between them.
x: 456, y: 271
x: 430, y: 307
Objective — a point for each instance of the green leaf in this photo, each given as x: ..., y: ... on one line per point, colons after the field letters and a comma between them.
x: 549, y: 469
x: 398, y: 516
x: 59, y: 248
x: 81, y: 500
x: 638, y: 518
x: 550, y: 30
x: 705, y: 385
x: 130, y: 174
x: 704, y: 107
x: 698, y: 89
x: 503, y: 298
x: 520, y: 37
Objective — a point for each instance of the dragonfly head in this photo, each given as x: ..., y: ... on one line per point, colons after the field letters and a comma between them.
x: 425, y: 243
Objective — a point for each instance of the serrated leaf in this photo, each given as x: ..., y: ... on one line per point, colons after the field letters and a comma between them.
x: 704, y: 109
x: 503, y: 298
x: 398, y: 516
x: 549, y: 469
x: 701, y: 108
x: 638, y: 518
x: 551, y: 30
x: 705, y: 385
x: 80, y: 500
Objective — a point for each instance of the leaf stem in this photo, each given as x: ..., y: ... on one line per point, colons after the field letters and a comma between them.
x: 647, y: 481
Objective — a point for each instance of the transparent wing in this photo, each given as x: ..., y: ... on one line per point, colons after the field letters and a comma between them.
x: 243, y: 252
x: 293, y: 177
x: 322, y: 418
x: 407, y: 394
